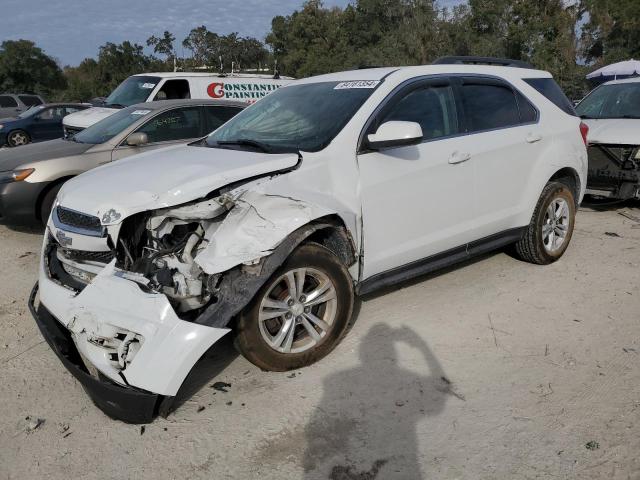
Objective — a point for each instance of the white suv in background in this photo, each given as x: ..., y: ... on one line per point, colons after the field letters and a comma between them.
x: 612, y: 112
x: 328, y: 188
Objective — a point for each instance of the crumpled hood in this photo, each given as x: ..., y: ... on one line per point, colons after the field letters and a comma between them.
x: 86, y: 118
x: 622, y: 131
x: 11, y: 158
x: 164, y: 178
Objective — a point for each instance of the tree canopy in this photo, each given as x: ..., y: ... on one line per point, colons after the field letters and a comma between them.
x: 566, y: 37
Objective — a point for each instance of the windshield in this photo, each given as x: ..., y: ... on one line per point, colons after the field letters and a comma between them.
x: 109, y: 127
x: 618, y: 100
x: 32, y: 111
x: 297, y: 117
x: 133, y: 90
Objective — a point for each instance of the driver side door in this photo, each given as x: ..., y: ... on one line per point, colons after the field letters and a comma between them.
x: 417, y: 201
x: 47, y: 124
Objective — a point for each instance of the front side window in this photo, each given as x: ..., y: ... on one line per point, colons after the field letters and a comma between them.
x: 617, y: 100
x: 176, y: 124
x: 53, y: 113
x: 109, y: 127
x: 295, y: 117
x: 433, y: 107
x: 174, y: 90
x: 7, y: 102
x: 133, y: 90
x: 487, y: 107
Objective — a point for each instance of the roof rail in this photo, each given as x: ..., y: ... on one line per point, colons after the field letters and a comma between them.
x: 502, y: 62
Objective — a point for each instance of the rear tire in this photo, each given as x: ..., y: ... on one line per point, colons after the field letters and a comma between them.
x: 273, y: 332
x: 549, y: 232
x: 18, y: 138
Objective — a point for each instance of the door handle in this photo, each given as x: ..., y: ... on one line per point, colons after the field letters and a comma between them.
x: 533, y: 138
x: 457, y: 157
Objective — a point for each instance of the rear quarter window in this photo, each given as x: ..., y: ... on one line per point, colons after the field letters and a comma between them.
x: 552, y: 91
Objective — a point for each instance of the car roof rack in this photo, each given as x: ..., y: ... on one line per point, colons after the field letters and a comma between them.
x: 501, y: 62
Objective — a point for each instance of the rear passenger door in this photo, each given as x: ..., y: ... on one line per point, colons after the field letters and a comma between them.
x: 172, y: 127
x: 503, y: 142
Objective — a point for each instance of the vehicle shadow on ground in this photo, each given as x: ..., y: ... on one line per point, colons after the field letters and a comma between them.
x: 365, y: 425
x: 206, y: 370
x: 29, y: 230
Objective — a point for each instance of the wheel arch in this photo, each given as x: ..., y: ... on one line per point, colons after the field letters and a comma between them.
x: 53, y: 184
x: 569, y: 177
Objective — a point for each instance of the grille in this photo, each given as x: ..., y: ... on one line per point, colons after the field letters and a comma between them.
x: 78, y: 220
x: 83, y: 256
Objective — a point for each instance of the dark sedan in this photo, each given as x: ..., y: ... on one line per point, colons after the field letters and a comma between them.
x: 37, y: 124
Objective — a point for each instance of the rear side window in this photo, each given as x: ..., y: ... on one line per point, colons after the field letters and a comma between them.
x: 7, y: 102
x: 528, y: 113
x: 552, y: 91
x: 30, y: 100
x: 217, y: 115
x: 487, y: 106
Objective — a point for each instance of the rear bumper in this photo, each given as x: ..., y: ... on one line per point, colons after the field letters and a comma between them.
x: 128, y: 404
x: 18, y: 202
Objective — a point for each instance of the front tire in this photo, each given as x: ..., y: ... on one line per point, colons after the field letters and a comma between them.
x: 47, y: 204
x: 18, y: 138
x: 549, y: 233
x: 300, y: 314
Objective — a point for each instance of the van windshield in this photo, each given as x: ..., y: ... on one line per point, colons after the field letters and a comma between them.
x: 293, y: 118
x: 617, y: 100
x: 133, y: 90
x: 109, y: 127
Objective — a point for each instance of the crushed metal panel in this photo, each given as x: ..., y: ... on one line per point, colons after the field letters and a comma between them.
x: 256, y: 225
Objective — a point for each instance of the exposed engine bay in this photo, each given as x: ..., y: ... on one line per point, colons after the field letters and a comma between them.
x: 162, y: 247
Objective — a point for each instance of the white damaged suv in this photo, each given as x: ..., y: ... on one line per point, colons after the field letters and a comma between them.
x: 331, y: 187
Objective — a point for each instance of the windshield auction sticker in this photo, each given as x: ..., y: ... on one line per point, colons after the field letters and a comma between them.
x: 140, y: 112
x: 357, y: 84
x: 148, y: 85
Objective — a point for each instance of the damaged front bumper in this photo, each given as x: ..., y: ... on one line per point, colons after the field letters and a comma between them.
x: 125, y: 345
x: 122, y: 403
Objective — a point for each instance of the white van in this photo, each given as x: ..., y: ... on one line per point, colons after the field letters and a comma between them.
x: 147, y: 87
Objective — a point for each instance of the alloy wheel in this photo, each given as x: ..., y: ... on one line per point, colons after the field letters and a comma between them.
x: 298, y: 310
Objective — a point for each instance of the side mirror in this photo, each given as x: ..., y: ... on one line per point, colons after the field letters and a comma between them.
x: 137, y: 139
x: 395, y: 134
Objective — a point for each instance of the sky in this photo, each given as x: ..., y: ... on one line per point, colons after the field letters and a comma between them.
x: 71, y: 30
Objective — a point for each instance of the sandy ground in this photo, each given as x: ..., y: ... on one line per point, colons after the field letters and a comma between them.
x: 493, y: 370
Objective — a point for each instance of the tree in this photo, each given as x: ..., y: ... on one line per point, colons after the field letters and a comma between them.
x: 612, y: 30
x: 209, y: 48
x: 26, y: 68
x: 164, y: 46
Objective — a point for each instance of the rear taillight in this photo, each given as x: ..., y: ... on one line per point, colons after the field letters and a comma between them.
x: 584, y: 131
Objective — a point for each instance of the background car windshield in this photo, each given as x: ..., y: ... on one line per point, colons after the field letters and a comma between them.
x: 618, y: 100
x: 297, y: 117
x: 133, y: 90
x: 106, y: 129
x: 32, y: 111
